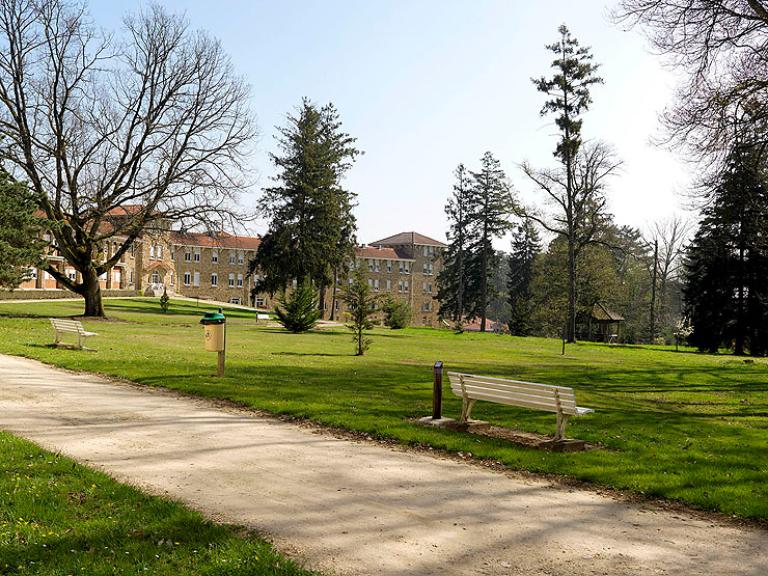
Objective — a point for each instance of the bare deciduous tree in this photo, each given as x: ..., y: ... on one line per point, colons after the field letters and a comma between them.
x: 667, y: 239
x: 118, y: 135
x: 722, y: 47
x: 579, y: 205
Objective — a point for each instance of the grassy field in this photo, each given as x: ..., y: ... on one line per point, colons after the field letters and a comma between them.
x: 682, y: 426
x: 59, y: 518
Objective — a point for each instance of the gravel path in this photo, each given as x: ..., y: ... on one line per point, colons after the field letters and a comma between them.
x: 358, y: 508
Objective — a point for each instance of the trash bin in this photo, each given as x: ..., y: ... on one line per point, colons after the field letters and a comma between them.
x: 214, y: 324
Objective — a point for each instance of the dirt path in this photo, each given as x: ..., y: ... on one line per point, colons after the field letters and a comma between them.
x: 357, y: 508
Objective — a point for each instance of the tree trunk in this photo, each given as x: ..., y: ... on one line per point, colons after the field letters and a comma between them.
x: 484, y: 291
x: 321, y: 301
x: 91, y: 292
x: 333, y: 293
x: 570, y: 332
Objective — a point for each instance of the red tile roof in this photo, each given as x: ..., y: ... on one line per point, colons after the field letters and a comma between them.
x: 218, y: 240
x: 408, y: 238
x: 377, y: 252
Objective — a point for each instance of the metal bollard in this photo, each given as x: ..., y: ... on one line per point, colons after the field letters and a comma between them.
x: 437, y: 392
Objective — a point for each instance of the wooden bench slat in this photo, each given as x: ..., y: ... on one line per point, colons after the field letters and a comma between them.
x: 513, y: 390
x: 506, y: 381
x: 473, y: 391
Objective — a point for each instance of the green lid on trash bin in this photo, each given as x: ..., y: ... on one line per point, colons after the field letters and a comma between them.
x: 213, y: 318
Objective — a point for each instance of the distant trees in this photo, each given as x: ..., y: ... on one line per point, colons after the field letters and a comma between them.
x: 576, y: 187
x: 726, y: 268
x: 117, y: 135
x: 526, y: 246
x: 311, y: 234
x: 21, y: 242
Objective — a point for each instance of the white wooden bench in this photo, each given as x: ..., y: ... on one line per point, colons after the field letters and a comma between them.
x: 62, y: 326
x: 260, y: 317
x: 558, y: 399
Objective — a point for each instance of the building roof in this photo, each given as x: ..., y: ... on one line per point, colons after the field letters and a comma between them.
x: 215, y: 240
x: 601, y: 313
x: 378, y: 252
x: 409, y: 238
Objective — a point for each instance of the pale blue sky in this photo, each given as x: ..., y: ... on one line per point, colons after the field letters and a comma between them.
x: 426, y: 84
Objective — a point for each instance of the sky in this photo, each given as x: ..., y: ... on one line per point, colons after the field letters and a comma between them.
x: 426, y: 84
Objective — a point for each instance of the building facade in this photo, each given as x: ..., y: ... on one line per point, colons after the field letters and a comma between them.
x: 214, y: 266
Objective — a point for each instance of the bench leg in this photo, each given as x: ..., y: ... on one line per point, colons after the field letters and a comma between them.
x: 56, y: 338
x: 562, y: 420
x: 466, y: 409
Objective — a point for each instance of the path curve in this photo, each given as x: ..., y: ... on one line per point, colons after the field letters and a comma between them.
x: 357, y: 508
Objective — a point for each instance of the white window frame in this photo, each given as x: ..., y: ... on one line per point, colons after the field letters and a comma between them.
x: 214, y: 280
x: 196, y: 279
x: 239, y: 280
x: 215, y: 256
x: 231, y: 280
x: 187, y: 278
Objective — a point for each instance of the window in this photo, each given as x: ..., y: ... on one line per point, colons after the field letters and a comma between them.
x: 171, y: 278
x: 389, y: 266
x: 197, y: 255
x: 429, y: 287
x: 399, y: 285
x: 370, y: 265
x: 260, y: 302
x: 405, y: 286
x: 159, y: 250
x: 377, y: 265
x: 389, y: 284
x: 151, y: 250
x: 130, y: 277
x: 133, y: 249
x: 239, y: 280
x: 425, y: 251
x: 196, y: 279
x: 187, y: 278
x: 187, y: 256
x: 232, y: 257
x: 376, y: 284
x: 234, y: 300
x: 428, y: 268
x: 214, y: 279
x: 32, y: 273
x: 155, y: 277
x: 424, y: 286
x: 401, y: 267
x: 231, y: 280
x: 407, y: 267
x: 426, y: 307
x: 215, y: 256
x: 71, y: 274
x: 240, y: 257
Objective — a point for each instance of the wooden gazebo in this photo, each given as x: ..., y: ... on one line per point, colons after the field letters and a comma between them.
x: 602, y: 324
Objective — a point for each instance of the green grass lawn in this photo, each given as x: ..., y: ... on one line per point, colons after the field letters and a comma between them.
x: 682, y: 426
x: 59, y: 518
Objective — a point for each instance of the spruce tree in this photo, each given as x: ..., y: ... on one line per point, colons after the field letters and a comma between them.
x: 725, y: 290
x: 526, y: 245
x: 21, y: 243
x: 311, y: 234
x: 568, y: 93
x: 361, y: 306
x: 455, y: 292
x: 491, y: 202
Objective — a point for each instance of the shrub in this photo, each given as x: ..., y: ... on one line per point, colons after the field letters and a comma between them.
x: 361, y: 305
x: 164, y: 301
x: 298, y: 311
x: 397, y: 314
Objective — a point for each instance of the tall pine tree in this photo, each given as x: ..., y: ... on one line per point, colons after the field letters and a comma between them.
x: 568, y: 93
x: 491, y: 203
x: 526, y: 245
x: 311, y: 234
x: 456, y: 292
x: 726, y: 293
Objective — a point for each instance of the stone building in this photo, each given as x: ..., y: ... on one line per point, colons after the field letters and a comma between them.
x: 214, y: 266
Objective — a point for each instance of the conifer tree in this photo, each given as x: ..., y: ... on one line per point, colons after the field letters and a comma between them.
x: 311, y: 233
x: 491, y: 202
x: 573, y: 188
x: 456, y: 293
x: 21, y: 245
x: 725, y: 289
x: 526, y: 245
x: 361, y: 306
